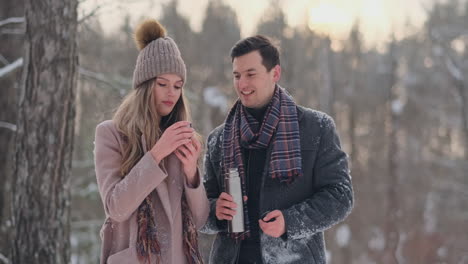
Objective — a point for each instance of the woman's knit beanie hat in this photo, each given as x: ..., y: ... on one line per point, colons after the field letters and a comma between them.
x: 159, y: 54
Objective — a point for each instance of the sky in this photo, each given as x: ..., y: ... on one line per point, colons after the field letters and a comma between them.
x: 378, y: 18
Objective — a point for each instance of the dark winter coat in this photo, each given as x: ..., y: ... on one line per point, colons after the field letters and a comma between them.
x: 311, y: 204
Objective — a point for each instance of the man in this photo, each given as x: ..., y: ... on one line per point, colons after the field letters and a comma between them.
x: 295, y: 177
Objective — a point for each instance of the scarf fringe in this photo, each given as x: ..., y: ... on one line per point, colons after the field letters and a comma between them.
x: 287, y: 177
x: 147, y: 240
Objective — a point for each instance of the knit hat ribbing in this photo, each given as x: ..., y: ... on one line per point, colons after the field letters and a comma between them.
x: 159, y: 54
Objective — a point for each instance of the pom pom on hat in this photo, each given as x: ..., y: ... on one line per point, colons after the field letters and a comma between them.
x: 148, y: 31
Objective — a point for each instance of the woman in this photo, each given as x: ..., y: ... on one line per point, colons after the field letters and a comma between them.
x: 146, y: 163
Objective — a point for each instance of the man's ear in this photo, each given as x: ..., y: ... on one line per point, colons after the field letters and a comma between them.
x: 276, y: 73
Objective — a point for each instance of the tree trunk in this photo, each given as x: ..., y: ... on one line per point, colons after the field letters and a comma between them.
x: 391, y: 225
x: 11, y: 50
x: 462, y: 91
x: 351, y: 91
x: 327, y: 93
x: 44, y: 140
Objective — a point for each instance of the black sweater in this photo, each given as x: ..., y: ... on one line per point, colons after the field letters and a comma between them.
x: 254, y: 161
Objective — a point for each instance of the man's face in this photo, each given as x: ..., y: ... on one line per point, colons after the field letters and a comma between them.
x: 253, y: 83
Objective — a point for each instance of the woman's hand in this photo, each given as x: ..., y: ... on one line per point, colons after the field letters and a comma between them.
x: 188, y: 154
x: 176, y: 135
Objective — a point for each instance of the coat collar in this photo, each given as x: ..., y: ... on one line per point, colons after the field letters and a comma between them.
x: 300, y: 113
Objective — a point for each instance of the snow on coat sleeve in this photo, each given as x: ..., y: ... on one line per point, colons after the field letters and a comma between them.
x: 122, y: 196
x: 213, y: 190
x: 333, y: 199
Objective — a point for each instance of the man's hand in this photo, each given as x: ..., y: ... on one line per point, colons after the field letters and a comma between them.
x: 275, y: 226
x: 225, y: 206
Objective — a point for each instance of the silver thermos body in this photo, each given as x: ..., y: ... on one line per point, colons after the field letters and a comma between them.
x: 233, y: 188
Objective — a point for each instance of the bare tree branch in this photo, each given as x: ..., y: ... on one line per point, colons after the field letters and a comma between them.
x: 116, y: 83
x: 90, y: 14
x: 11, y: 67
x: 12, y: 20
x: 110, y: 3
x: 12, y: 32
x: 7, y: 125
x: 4, y: 60
x: 452, y: 65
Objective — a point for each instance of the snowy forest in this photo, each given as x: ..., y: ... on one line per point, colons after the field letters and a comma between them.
x: 401, y: 112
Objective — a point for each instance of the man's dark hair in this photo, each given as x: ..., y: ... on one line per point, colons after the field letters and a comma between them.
x: 268, y: 50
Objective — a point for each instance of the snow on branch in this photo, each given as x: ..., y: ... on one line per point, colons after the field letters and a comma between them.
x: 4, y: 259
x: 11, y: 67
x: 112, y: 82
x: 7, y: 125
x: 442, y: 50
x: 12, y: 20
x: 454, y: 70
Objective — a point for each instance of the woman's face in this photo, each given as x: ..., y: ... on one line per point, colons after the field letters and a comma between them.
x: 167, y: 91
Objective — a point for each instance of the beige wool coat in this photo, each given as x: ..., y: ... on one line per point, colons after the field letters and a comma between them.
x: 122, y: 196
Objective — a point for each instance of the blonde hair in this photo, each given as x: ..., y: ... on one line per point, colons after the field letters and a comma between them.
x: 137, y: 116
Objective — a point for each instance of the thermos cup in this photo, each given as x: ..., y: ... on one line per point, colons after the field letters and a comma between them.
x: 233, y: 188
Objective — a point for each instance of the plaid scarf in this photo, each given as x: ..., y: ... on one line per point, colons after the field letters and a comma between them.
x: 147, y: 241
x: 280, y: 128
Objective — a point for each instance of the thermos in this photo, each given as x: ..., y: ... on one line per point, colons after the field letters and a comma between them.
x: 233, y: 188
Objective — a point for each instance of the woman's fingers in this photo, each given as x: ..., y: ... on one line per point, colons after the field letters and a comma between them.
x: 180, y: 136
x: 179, y: 124
x: 184, y: 150
x: 196, y: 144
x: 181, y: 157
x: 183, y: 130
x: 190, y: 147
x: 188, y: 135
x: 180, y: 142
x: 189, y: 153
